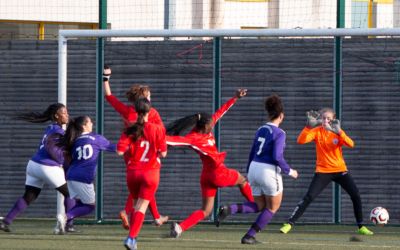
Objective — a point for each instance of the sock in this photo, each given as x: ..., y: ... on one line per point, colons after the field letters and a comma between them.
x: 244, y: 208
x: 262, y: 221
x: 246, y: 191
x: 153, y: 209
x: 129, y: 205
x: 79, y: 210
x: 136, y: 224
x: 18, y: 208
x: 192, y: 220
x: 69, y: 203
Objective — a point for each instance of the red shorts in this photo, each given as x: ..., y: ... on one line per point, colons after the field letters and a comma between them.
x: 143, y: 183
x: 222, y: 176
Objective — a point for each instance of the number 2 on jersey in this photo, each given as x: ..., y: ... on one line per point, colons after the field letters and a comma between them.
x: 146, y: 146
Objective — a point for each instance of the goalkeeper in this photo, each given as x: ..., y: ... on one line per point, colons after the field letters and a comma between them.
x: 325, y: 131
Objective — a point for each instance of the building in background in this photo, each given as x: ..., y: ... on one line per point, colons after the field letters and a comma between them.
x: 41, y: 19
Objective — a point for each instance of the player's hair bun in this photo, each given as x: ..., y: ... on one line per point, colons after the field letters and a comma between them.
x: 274, y: 106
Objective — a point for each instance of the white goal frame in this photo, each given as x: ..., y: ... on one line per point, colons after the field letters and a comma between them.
x: 64, y: 35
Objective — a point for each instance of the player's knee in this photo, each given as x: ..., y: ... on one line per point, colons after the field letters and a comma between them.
x: 31, y: 194
x: 63, y: 190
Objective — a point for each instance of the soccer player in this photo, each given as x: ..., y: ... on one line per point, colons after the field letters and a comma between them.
x: 145, y: 143
x: 266, y: 163
x: 82, y: 147
x: 46, y: 166
x: 129, y: 116
x: 214, y: 173
x: 324, y: 129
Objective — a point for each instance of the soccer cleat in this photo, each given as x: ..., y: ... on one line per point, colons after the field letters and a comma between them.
x: 223, y: 212
x: 4, y: 227
x: 125, y: 219
x: 249, y: 240
x: 162, y: 220
x: 61, y: 221
x: 285, y: 228
x: 71, y: 229
x: 176, y: 230
x: 364, y: 231
x: 130, y: 243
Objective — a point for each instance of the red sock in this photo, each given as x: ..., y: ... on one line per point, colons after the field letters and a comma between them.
x: 129, y: 205
x: 153, y: 209
x: 136, y: 224
x: 246, y: 192
x: 192, y: 220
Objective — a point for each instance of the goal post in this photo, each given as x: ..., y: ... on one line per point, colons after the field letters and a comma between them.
x: 64, y: 35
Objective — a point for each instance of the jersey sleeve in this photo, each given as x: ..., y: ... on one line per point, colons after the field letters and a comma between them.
x: 161, y: 140
x: 251, y: 155
x: 277, y: 153
x: 123, y: 143
x: 178, y: 141
x: 345, y: 140
x: 306, y: 135
x: 105, y: 144
x: 223, y: 109
x: 56, y: 152
x: 120, y: 107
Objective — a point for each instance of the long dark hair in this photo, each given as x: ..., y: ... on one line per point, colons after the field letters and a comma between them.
x: 73, y: 131
x: 199, y: 121
x: 40, y: 117
x: 274, y: 106
x: 142, y: 107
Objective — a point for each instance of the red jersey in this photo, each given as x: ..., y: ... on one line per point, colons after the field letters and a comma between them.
x: 204, y: 144
x: 129, y: 113
x: 143, y: 153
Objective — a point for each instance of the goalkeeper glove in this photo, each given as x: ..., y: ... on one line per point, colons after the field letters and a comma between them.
x: 334, y: 126
x: 313, y: 119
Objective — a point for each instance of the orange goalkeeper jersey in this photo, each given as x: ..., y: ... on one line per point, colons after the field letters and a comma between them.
x: 328, y: 146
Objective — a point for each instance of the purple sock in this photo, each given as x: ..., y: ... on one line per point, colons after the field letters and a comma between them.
x: 79, y: 210
x: 262, y: 221
x: 18, y: 208
x: 69, y: 203
x: 245, y: 208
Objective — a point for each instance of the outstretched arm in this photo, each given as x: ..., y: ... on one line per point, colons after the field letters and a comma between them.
x: 106, y: 80
x: 120, y: 107
x: 226, y: 106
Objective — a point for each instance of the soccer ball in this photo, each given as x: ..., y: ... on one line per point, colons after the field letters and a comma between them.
x: 379, y: 216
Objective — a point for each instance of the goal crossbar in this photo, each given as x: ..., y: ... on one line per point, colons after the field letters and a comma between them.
x: 64, y: 35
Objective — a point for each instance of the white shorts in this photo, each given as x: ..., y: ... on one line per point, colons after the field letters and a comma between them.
x: 37, y: 175
x: 265, y: 179
x: 82, y: 191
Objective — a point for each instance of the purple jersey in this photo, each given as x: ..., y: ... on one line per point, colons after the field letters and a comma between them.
x: 48, y: 153
x: 268, y: 146
x: 85, y: 151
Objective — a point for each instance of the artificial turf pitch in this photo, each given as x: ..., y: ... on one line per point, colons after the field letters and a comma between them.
x: 37, y: 234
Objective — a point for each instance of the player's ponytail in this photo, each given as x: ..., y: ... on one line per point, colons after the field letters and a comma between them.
x: 73, y: 131
x: 36, y: 117
x: 142, y: 107
x: 199, y: 121
x: 274, y: 106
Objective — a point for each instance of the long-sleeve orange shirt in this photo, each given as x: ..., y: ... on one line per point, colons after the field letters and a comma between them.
x: 328, y: 146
